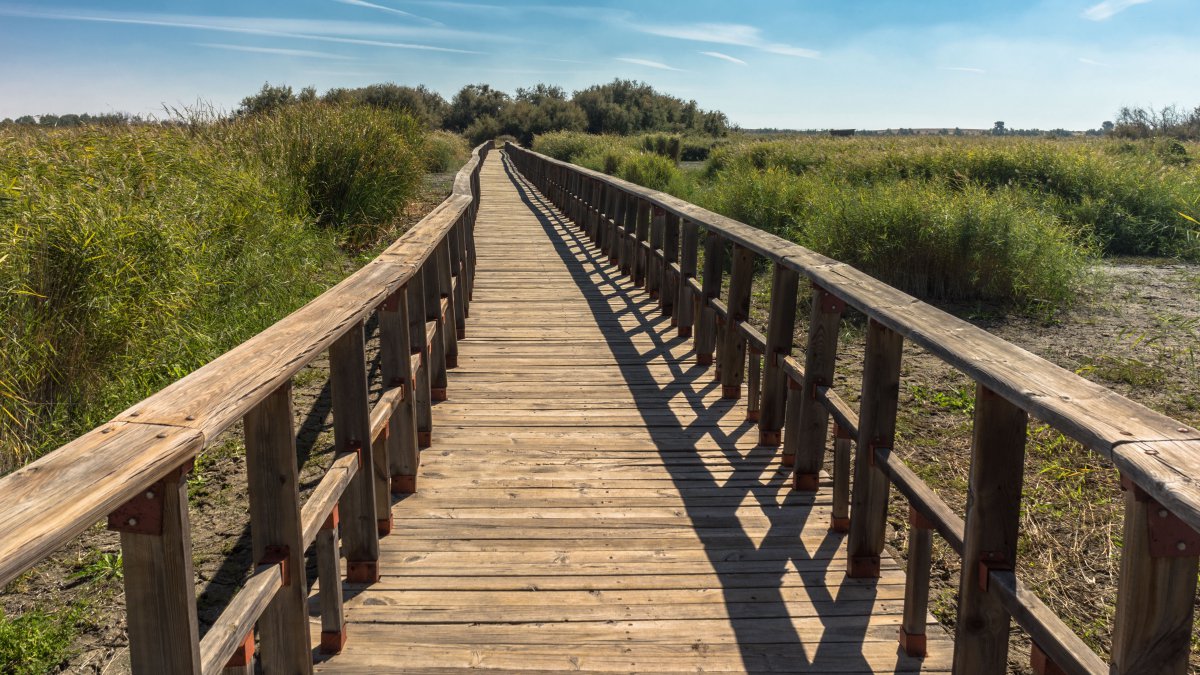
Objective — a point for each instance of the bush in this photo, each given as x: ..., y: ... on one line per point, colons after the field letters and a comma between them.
x: 37, y: 641
x: 568, y: 146
x: 649, y: 170
x: 445, y: 152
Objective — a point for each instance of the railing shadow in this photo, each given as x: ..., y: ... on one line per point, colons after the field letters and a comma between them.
x: 751, y: 564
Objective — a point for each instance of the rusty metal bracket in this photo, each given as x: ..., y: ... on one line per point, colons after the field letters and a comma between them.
x: 144, y: 513
x: 841, y: 432
x: 278, y: 555
x: 830, y: 303
x: 1170, y: 537
x: 918, y: 520
x: 357, y: 448
x: 332, y: 520
x: 874, y: 445
x: 244, y: 655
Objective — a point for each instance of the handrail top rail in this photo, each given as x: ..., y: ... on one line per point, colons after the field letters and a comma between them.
x: 1159, y: 454
x: 54, y: 498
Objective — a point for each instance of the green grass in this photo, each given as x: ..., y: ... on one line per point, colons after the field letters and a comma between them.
x: 39, y: 640
x: 131, y: 256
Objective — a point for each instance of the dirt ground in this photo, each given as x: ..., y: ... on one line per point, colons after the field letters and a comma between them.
x: 1136, y: 330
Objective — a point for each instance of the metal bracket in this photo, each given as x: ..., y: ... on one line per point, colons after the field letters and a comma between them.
x: 144, y: 513
x: 1170, y: 537
x: 357, y: 448
x: 830, y: 303
x: 876, y: 444
x: 918, y: 520
x: 332, y: 520
x: 841, y: 432
x: 278, y: 555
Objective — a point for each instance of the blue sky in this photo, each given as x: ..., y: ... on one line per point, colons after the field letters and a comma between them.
x: 790, y: 64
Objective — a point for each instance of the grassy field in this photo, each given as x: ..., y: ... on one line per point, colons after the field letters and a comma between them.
x: 1015, y: 222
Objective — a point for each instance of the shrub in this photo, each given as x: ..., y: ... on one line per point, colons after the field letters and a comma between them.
x: 650, y: 170
x: 445, y: 152
x: 568, y: 146
x: 38, y: 641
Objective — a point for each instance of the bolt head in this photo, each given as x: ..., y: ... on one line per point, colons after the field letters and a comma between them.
x: 132, y: 522
x: 1162, y: 513
x: 1182, y: 546
x: 149, y: 494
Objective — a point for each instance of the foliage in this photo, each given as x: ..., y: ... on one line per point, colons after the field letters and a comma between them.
x: 420, y: 102
x: 628, y: 107
x: 38, y: 641
x: 1169, y: 122
x: 444, y: 152
x: 473, y: 102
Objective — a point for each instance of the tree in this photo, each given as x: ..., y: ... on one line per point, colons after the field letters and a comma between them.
x: 1107, y: 127
x: 472, y: 102
x: 998, y: 129
x: 267, y: 99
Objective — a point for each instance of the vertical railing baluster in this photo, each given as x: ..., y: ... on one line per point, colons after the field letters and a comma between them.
x: 422, y: 399
x: 273, y: 485
x: 352, y: 432
x: 433, y: 314
x: 876, y: 429
x: 447, y: 321
x: 685, y: 305
x: 781, y: 327
x: 641, y: 260
x: 843, y: 445
x: 395, y: 364
x: 804, y: 446
x: 916, y: 584
x: 990, y: 537
x: 753, y: 383
x: 329, y: 563
x: 654, y: 271
x: 670, y: 280
x: 706, y: 330
x: 733, y: 350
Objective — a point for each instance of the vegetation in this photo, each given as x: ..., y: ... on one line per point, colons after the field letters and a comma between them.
x: 38, y: 641
x: 1008, y: 220
x: 132, y: 255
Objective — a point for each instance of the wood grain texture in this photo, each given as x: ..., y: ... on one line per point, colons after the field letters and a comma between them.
x: 591, y: 502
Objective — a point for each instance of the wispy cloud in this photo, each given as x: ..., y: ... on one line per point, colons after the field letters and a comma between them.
x: 276, y: 51
x: 725, y: 57
x: 963, y: 69
x: 1109, y: 8
x: 389, y: 10
x: 344, y: 32
x: 727, y: 34
x: 648, y: 63
x: 1092, y: 62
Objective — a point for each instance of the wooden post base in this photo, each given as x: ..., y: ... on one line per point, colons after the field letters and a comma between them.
x: 437, y: 394
x: 424, y: 439
x: 385, y: 526
x: 685, y: 332
x: 731, y: 391
x: 365, y: 572
x: 404, y: 485
x: 863, y: 567
x: 771, y: 439
x: 788, y: 460
x: 752, y: 415
x: 333, y: 641
x: 839, y: 524
x: 913, y: 645
x: 806, y: 482
x: 451, y: 361
x: 704, y: 359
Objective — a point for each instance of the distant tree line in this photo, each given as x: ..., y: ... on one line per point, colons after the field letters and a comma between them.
x: 1170, y: 122
x: 480, y: 112
x: 73, y: 120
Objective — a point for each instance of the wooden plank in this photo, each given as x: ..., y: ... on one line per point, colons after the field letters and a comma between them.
x: 806, y: 439
x: 236, y: 622
x: 733, y: 347
x: 780, y: 327
x: 273, y: 484
x: 352, y: 433
x: 395, y: 365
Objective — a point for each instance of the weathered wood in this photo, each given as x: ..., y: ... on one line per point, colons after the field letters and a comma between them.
x: 916, y: 585
x: 807, y: 440
x: 458, y: 282
x: 654, y: 270
x: 685, y: 303
x: 1060, y: 645
x: 670, y: 279
x: 1154, y: 625
x: 434, y: 318
x: 160, y: 599
x: 876, y: 429
x: 333, y: 618
x: 229, y: 632
x: 733, y: 349
x: 641, y: 261
x: 352, y: 433
x: 395, y: 364
x: 706, y: 329
x: 781, y: 325
x: 273, y: 485
x: 325, y: 497
x: 422, y: 398
x: 992, y: 522
x: 754, y: 384
x: 843, y: 446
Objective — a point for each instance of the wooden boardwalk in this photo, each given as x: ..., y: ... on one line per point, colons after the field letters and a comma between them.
x: 591, y: 503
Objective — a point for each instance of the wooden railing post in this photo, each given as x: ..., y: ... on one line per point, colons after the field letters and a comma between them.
x: 273, y: 484
x: 805, y: 444
x: 593, y: 206
x: 670, y: 281
x: 685, y: 305
x: 754, y: 361
x: 641, y: 259
x: 160, y: 589
x: 422, y: 401
x: 395, y: 364
x: 352, y: 432
x: 618, y: 241
x: 876, y: 429
x: 714, y: 268
x: 329, y: 563
x: 654, y: 271
x: 843, y: 445
x: 990, y: 538
x: 432, y: 285
x: 781, y: 326
x: 458, y: 275
x: 629, y: 222
x: 916, y: 584
x: 733, y: 350
x: 447, y: 325
x: 1154, y: 623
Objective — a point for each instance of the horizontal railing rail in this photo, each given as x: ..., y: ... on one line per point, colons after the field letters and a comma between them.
x: 133, y: 469
x: 656, y: 238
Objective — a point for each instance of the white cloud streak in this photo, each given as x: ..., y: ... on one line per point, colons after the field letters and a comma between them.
x: 277, y: 51
x: 725, y: 57
x: 1092, y: 62
x: 727, y: 34
x: 344, y: 32
x: 1109, y: 8
x: 648, y: 63
x: 389, y: 10
x: 963, y: 69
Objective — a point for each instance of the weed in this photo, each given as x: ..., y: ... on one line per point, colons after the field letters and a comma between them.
x: 39, y: 640
x: 98, y: 566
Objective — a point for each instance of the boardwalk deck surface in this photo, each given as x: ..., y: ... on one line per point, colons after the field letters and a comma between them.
x: 591, y: 503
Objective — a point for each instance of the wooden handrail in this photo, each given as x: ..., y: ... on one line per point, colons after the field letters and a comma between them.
x: 131, y: 468
x: 1158, y: 457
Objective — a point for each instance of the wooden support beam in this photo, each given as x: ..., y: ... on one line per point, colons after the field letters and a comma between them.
x: 706, y: 328
x: 876, y: 428
x: 654, y: 270
x: 990, y: 541
x: 753, y: 385
x: 333, y: 619
x: 781, y: 326
x: 160, y: 592
x: 352, y: 432
x: 629, y: 221
x: 733, y: 349
x: 916, y: 584
x: 685, y: 305
x: 460, y: 274
x: 843, y: 445
x: 422, y: 400
x: 447, y: 322
x: 641, y: 261
x: 670, y: 280
x: 1154, y: 624
x: 436, y: 365
x: 273, y: 484
x: 395, y: 364
x: 807, y: 441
